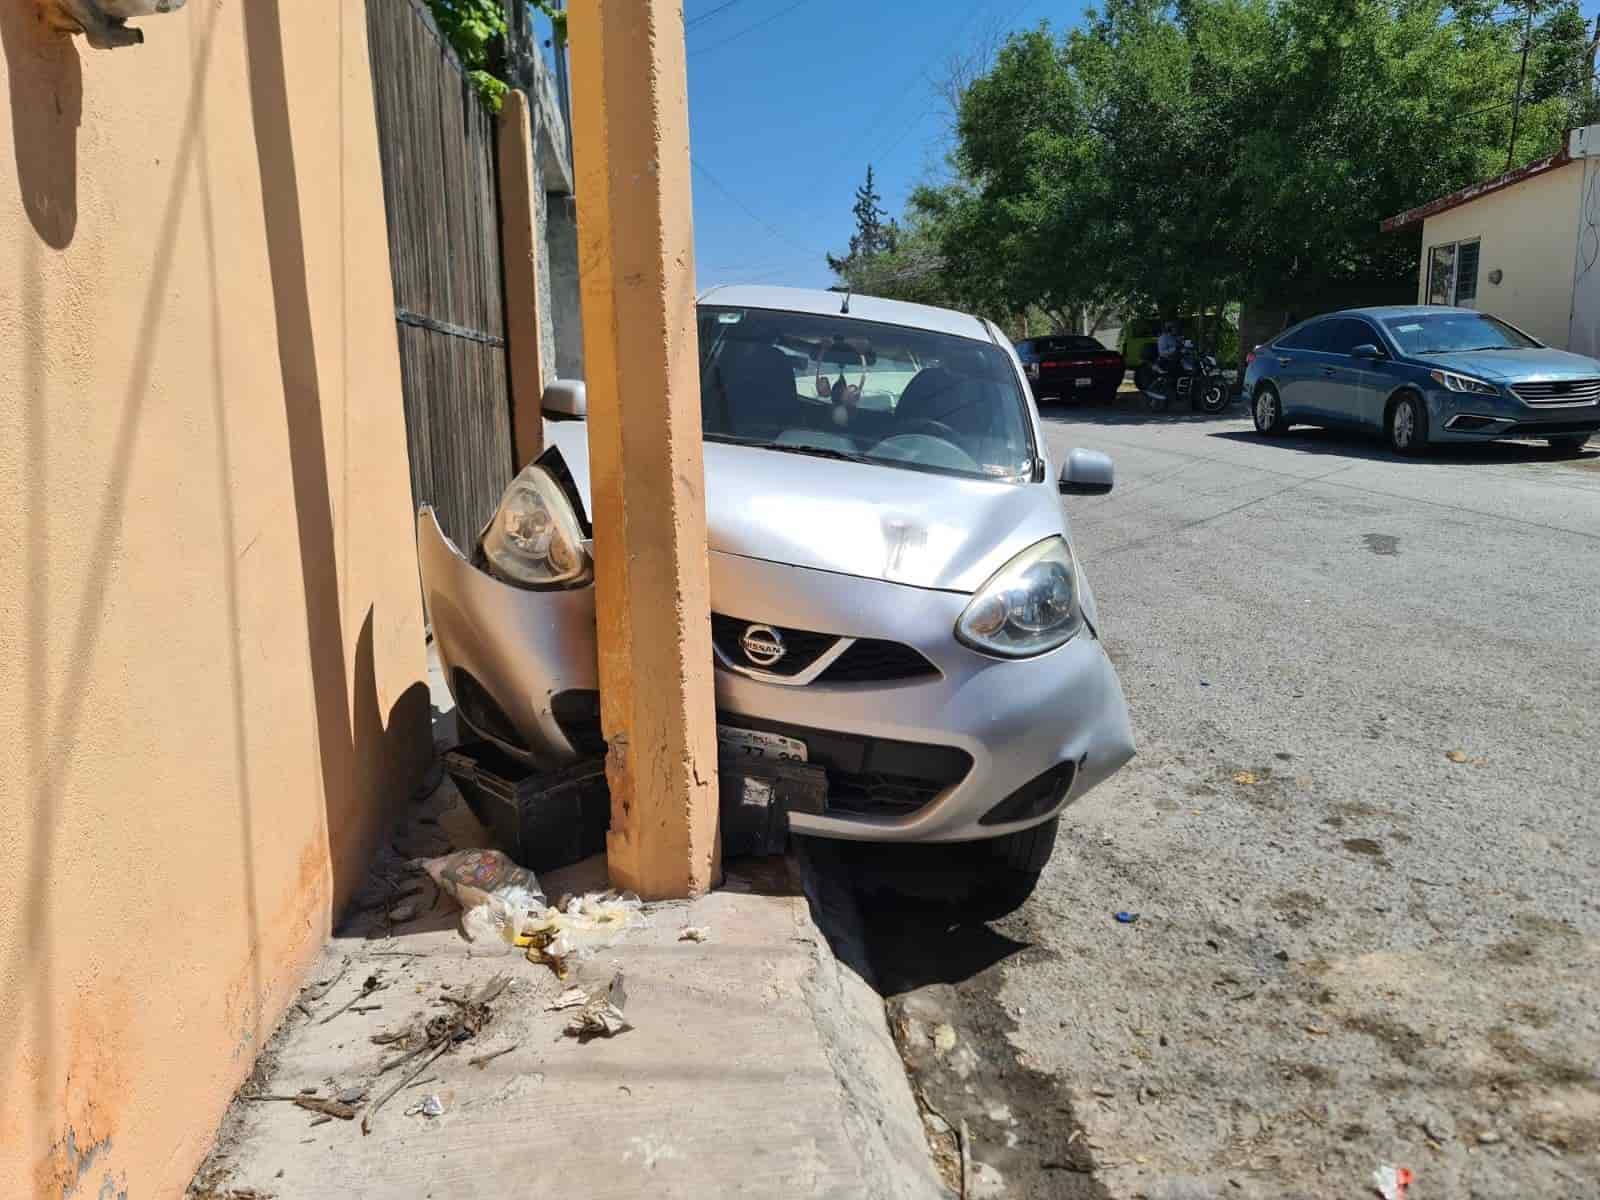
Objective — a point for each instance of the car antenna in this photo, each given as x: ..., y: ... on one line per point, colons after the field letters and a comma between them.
x: 844, y: 309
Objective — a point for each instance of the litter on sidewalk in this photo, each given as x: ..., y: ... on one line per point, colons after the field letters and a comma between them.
x: 601, y: 1015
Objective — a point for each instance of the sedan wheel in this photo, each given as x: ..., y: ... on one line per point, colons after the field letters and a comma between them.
x: 1268, y: 413
x: 1408, y: 426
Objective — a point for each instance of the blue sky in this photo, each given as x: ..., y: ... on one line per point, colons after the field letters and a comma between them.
x: 788, y: 102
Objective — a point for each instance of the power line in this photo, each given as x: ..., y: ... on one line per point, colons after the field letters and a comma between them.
x: 753, y: 215
x: 748, y: 29
x: 708, y: 14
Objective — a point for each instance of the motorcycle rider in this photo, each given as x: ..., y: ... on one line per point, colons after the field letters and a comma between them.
x: 1167, y: 347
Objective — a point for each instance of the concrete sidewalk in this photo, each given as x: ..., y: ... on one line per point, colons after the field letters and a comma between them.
x: 757, y: 1065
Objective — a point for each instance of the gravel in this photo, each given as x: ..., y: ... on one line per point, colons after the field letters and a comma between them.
x: 1361, y: 837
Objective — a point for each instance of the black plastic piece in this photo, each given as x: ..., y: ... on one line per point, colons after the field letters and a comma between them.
x: 543, y: 820
x: 482, y: 713
x: 577, y: 714
x: 757, y: 796
x: 1038, y: 796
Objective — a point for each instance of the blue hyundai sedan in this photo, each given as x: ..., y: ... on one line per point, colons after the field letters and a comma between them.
x: 1422, y: 376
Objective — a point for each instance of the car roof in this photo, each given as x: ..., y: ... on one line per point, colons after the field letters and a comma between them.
x: 1393, y: 311
x: 862, y: 308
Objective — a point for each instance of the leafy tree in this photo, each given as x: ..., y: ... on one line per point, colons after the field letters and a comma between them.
x: 874, y: 235
x: 1182, y: 155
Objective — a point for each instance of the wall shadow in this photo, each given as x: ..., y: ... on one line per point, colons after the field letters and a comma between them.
x: 360, y: 756
x: 46, y: 83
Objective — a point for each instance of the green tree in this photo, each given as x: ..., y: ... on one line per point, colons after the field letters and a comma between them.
x: 476, y: 31
x: 875, y: 235
x: 1181, y: 155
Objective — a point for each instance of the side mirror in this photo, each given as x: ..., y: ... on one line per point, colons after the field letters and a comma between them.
x: 565, y: 400
x: 1368, y: 350
x: 1086, y: 473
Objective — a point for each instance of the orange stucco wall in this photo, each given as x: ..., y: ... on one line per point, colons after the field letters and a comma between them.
x: 210, y: 628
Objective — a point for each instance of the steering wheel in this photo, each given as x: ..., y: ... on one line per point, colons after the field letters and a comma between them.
x: 939, y: 430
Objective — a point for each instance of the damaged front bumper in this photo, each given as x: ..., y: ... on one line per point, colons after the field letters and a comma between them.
x: 975, y: 748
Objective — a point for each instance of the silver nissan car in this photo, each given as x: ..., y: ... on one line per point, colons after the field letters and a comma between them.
x: 894, y: 591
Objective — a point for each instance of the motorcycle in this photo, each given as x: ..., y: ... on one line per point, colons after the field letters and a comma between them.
x: 1192, y: 375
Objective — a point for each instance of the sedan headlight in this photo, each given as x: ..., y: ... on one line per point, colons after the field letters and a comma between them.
x: 1030, y: 605
x: 533, y: 538
x: 1463, y: 383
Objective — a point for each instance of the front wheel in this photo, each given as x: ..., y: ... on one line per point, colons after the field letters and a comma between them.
x: 1214, y: 396
x: 1267, y: 411
x: 1020, y: 858
x: 1569, y: 445
x: 1407, y: 426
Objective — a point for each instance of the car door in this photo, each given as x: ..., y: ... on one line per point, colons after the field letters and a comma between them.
x: 1296, y: 366
x: 1342, y: 387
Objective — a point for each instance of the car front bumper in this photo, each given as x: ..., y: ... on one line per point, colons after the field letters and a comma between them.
x: 1015, y: 720
x: 1469, y: 417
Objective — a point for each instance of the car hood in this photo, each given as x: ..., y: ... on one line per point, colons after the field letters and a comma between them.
x: 877, y: 522
x: 1516, y: 366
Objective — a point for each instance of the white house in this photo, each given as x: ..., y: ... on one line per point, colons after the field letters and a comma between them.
x: 1524, y: 246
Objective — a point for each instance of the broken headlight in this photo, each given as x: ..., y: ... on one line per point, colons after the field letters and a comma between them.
x: 1029, y: 606
x: 533, y: 539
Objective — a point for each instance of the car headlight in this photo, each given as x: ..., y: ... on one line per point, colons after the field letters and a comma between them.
x: 533, y: 538
x: 1463, y: 383
x: 1029, y: 606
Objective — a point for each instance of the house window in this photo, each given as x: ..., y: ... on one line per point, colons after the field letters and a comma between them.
x: 1453, y: 273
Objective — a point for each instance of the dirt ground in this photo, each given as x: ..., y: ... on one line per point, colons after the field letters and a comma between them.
x: 1360, y: 842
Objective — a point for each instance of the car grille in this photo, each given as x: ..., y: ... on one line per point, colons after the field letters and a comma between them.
x: 867, y: 660
x: 802, y: 647
x: 1559, y: 391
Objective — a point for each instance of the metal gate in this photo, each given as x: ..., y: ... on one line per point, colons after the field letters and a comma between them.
x: 437, y: 142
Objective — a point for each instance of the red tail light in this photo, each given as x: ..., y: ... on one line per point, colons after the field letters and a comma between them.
x: 1249, y: 358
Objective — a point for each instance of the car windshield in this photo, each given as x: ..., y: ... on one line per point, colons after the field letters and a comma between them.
x: 836, y: 387
x: 1448, y: 332
x: 1076, y: 344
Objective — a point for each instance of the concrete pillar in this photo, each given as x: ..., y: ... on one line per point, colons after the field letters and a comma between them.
x: 631, y: 133
x: 521, y: 240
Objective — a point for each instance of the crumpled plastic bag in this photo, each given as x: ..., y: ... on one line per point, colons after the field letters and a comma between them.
x: 560, y: 937
x: 498, y: 898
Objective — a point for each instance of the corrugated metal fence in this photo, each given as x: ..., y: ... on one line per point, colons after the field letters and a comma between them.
x: 437, y: 142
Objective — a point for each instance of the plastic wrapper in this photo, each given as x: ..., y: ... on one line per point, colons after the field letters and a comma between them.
x: 499, y: 899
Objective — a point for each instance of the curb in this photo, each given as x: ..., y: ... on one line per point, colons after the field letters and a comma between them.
x: 879, y: 1111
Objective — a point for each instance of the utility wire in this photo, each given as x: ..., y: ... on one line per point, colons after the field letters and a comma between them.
x: 753, y: 215
x: 708, y: 14
x: 748, y: 29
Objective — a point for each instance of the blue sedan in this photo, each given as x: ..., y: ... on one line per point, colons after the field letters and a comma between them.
x: 1421, y: 376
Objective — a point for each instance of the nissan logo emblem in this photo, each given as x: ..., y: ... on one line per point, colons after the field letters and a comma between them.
x: 762, y: 645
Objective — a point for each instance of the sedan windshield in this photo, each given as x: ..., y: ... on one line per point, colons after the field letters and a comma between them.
x: 1452, y: 332
x: 835, y: 387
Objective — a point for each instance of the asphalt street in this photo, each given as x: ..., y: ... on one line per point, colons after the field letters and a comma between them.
x: 1360, y: 840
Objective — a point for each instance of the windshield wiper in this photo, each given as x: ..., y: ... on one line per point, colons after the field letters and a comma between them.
x: 787, y: 447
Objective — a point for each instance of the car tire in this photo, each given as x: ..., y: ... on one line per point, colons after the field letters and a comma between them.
x: 1021, y: 858
x: 1569, y: 445
x: 1028, y: 851
x: 1266, y: 410
x: 1405, y: 427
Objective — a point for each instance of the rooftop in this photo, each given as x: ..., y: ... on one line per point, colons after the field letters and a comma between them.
x: 862, y: 308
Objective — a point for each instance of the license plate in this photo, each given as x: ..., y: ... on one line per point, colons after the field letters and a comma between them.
x: 755, y: 743
x: 1083, y: 381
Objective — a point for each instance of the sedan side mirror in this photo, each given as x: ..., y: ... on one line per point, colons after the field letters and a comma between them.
x: 1368, y: 350
x: 565, y: 400
x: 1086, y: 473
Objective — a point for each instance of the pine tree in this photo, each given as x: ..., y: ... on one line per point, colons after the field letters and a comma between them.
x: 873, y: 236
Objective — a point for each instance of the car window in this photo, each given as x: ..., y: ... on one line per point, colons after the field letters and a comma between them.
x: 1309, y: 336
x: 886, y: 394
x: 1452, y: 331
x: 1345, y: 334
